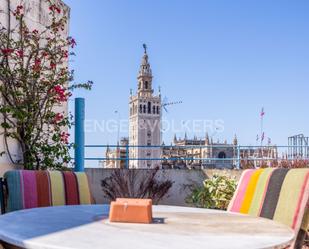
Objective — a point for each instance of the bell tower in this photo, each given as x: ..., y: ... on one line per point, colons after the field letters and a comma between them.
x: 145, y: 120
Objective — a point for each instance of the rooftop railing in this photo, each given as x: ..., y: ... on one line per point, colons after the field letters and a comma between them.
x: 203, y: 156
x: 234, y: 155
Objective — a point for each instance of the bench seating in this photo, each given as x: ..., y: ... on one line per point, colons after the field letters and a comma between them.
x: 31, y: 189
x: 278, y: 194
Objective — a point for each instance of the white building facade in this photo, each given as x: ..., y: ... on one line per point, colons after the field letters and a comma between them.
x: 145, y: 121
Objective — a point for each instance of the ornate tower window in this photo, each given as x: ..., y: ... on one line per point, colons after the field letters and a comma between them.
x: 146, y: 85
x: 158, y: 110
x: 144, y: 109
x: 153, y: 109
x: 149, y: 107
x: 140, y: 108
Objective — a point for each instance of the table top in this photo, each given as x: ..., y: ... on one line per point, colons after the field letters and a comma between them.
x: 183, y: 228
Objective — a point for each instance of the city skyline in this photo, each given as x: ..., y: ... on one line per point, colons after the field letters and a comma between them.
x: 222, y: 73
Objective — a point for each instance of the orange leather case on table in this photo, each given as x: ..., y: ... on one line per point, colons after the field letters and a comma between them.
x: 131, y: 210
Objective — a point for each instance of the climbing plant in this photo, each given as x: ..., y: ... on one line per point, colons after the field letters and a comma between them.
x: 35, y: 85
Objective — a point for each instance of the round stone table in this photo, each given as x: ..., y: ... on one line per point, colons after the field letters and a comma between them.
x: 82, y: 227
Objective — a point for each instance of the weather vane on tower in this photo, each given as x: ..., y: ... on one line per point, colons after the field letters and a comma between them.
x: 145, y: 48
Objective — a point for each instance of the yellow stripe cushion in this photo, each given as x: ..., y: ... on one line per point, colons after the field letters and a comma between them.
x: 83, y: 188
x: 57, y: 188
x: 250, y: 191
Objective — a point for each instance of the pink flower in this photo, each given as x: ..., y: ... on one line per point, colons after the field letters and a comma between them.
x: 61, y: 96
x: 7, y: 51
x: 58, y: 118
x: 58, y: 89
x: 44, y: 54
x: 65, y: 54
x: 52, y: 65
x: 37, y: 65
x: 54, y: 8
x: 18, y: 10
x: 64, y: 137
x: 20, y: 53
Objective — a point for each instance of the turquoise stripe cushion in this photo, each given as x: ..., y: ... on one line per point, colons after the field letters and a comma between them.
x: 15, y: 202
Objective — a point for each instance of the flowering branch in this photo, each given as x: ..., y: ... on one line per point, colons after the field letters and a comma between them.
x: 35, y: 82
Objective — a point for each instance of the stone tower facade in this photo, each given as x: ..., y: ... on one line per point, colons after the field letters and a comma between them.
x: 145, y: 120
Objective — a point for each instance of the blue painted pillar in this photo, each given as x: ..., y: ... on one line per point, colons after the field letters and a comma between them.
x: 79, y: 152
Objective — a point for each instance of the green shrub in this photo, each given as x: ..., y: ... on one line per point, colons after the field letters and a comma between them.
x: 216, y: 193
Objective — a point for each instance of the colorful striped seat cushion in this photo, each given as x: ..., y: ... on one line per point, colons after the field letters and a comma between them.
x: 30, y: 189
x: 278, y: 194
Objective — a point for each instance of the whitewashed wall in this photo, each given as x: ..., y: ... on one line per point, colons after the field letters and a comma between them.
x: 181, y: 180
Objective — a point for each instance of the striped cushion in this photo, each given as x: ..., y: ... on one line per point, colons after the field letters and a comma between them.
x: 278, y: 194
x: 30, y: 189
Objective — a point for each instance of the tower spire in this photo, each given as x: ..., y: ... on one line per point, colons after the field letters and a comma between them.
x: 145, y: 75
x: 175, y: 139
x: 207, y: 139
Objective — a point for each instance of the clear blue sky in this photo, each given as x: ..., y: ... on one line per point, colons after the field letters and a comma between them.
x: 224, y: 59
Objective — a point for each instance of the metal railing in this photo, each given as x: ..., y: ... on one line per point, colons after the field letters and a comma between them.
x: 255, y: 154
x: 233, y: 155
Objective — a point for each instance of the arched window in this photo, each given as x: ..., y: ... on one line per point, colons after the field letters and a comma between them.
x: 144, y: 109
x: 140, y: 108
x: 158, y: 110
x: 146, y: 85
x: 149, y: 107
x: 222, y: 154
x: 153, y: 109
